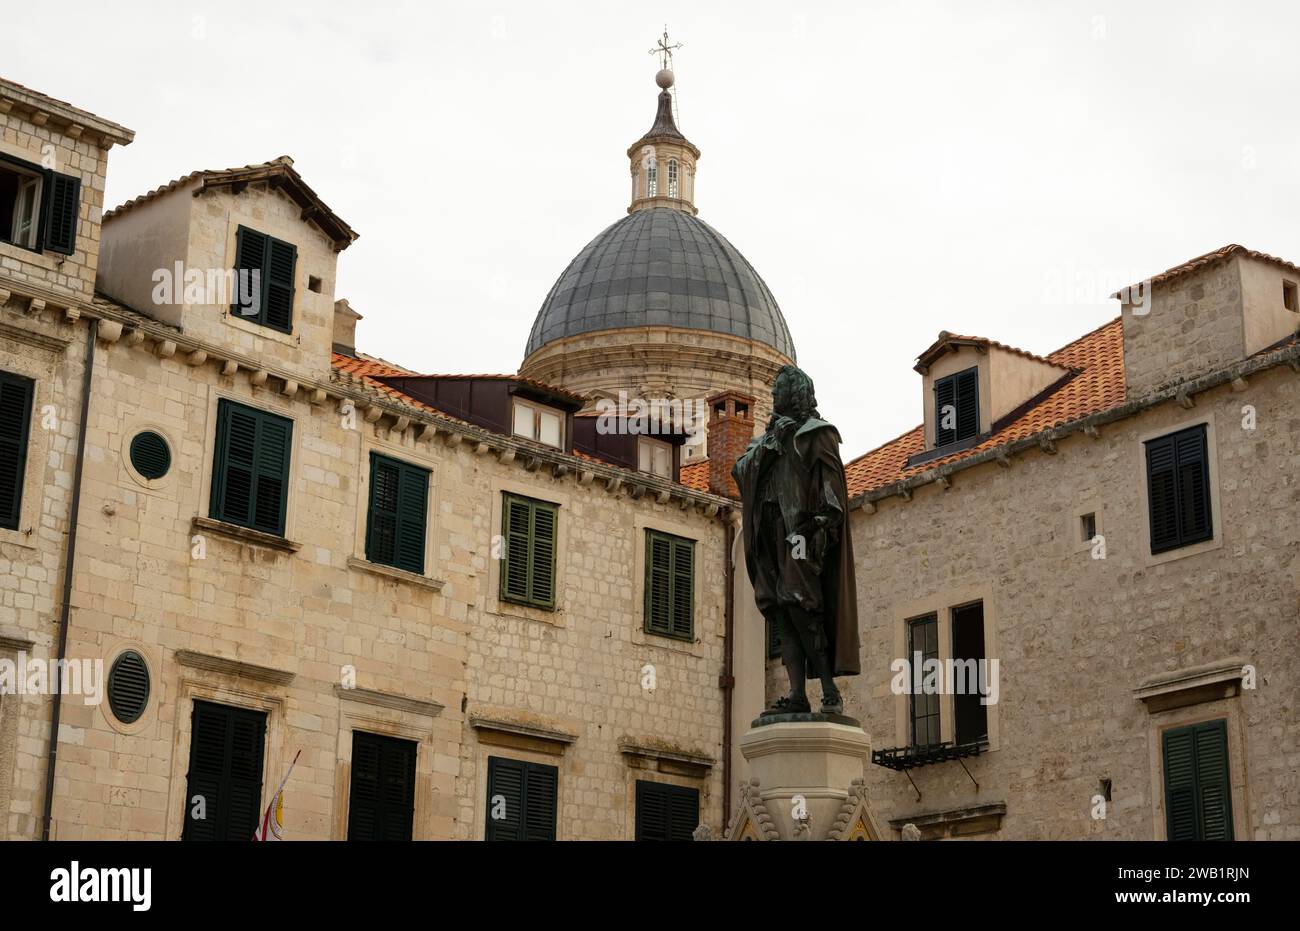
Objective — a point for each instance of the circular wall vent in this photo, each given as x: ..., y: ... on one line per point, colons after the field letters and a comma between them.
x: 150, y: 455
x: 128, y: 687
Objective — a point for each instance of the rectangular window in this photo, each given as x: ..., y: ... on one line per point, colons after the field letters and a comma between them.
x: 922, y: 645
x: 529, y: 529
x: 381, y: 803
x: 1087, y: 527
x: 521, y: 800
x: 1178, y: 489
x: 15, y: 422
x: 666, y: 812
x: 264, y: 267
x: 1198, y: 795
x: 223, y: 798
x: 250, y: 473
x: 669, y: 585
x: 38, y: 207
x: 1289, y: 298
x: 655, y: 457
x: 395, y: 522
x: 956, y: 407
x: 971, y: 723
x: 534, y: 422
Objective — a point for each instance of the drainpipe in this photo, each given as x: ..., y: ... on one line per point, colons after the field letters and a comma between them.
x: 728, y: 682
x: 66, y: 607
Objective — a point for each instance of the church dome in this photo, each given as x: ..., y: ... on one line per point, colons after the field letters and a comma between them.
x: 661, y: 266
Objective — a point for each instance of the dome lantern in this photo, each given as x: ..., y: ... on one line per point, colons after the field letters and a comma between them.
x: 662, y: 162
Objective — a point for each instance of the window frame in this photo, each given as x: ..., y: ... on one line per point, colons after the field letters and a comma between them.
x: 537, y: 411
x: 674, y: 176
x: 676, y: 545
x: 931, y: 619
x: 24, y: 168
x: 1195, y: 730
x: 940, y: 440
x: 534, y: 505
x: 670, y: 793
x: 418, y: 476
x: 262, y: 317
x: 495, y: 764
x: 232, y: 713
x: 381, y: 742
x: 220, y: 453
x: 1182, y: 537
x: 653, y: 445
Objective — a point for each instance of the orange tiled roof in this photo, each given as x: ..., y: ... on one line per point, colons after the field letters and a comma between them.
x: 1098, y: 357
x: 695, y: 475
x: 1209, y: 258
x: 946, y: 339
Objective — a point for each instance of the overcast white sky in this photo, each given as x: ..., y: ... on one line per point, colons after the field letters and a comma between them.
x: 891, y: 169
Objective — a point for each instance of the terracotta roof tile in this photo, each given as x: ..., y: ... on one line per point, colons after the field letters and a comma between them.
x: 1209, y: 258
x: 946, y: 339
x: 1098, y: 357
x: 695, y: 475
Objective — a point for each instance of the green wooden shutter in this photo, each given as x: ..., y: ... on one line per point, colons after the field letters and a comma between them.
x: 666, y: 812
x: 381, y: 804
x: 1198, y: 796
x: 251, y: 468
x: 15, y: 420
x: 62, y: 204
x: 529, y: 531
x: 669, y: 585
x: 945, y: 395
x: 1162, y: 493
x: 281, y: 259
x: 250, y: 258
x: 968, y: 404
x: 395, y: 525
x: 525, y: 796
x: 226, y: 746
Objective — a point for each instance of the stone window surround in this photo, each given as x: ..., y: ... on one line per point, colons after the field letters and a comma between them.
x: 633, y: 775
x: 641, y: 523
x: 12, y: 642
x: 40, y: 367
x: 942, y: 604
x: 149, y: 718
x: 1139, y: 469
x: 201, y: 684
x: 264, y: 399
x: 379, y: 440
x: 484, y: 750
x: 388, y: 716
x: 1226, y: 709
x: 563, y: 501
x: 1092, y: 504
x: 135, y: 425
x: 294, y: 336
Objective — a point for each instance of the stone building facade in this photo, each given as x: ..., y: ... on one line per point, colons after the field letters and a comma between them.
x: 465, y: 618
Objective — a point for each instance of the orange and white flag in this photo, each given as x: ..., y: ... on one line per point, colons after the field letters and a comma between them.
x: 272, y: 826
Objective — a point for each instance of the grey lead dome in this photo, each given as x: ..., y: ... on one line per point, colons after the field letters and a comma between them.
x: 661, y: 267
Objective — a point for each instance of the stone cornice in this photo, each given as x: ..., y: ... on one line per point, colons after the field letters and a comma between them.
x: 244, y: 534
x: 1045, y: 440
x: 54, y: 344
x: 14, y: 639
x: 521, y: 729
x: 233, y: 667
x: 1168, y: 690
x: 74, y: 121
x: 429, y: 709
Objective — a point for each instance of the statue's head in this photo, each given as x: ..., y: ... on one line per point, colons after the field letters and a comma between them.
x: 792, y: 394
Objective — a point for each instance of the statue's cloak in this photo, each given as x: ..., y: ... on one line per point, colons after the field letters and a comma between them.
x: 793, y: 485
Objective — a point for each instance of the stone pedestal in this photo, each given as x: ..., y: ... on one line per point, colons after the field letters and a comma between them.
x: 806, y: 780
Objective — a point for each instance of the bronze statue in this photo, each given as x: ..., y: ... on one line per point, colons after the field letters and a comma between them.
x: 797, y: 548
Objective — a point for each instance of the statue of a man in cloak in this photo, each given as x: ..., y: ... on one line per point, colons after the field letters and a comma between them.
x: 797, y: 548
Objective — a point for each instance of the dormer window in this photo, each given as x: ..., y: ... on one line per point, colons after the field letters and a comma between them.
x: 655, y: 457
x: 956, y: 407
x: 539, y: 423
x: 672, y: 177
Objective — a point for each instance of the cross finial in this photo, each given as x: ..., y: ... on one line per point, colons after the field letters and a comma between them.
x: 664, y: 50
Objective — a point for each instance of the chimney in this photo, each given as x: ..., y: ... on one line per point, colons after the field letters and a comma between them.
x: 345, y: 328
x: 731, y: 427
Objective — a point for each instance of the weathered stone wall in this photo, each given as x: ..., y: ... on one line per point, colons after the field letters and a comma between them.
x: 1076, y: 635
x: 1193, y: 324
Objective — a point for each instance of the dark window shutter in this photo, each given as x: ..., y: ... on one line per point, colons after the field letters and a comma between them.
x: 395, y: 527
x: 150, y: 455
x: 226, y: 746
x: 1178, y: 489
x: 945, y: 395
x: 251, y: 469
x: 669, y: 585
x: 529, y: 529
x: 1198, y: 797
x: 666, y: 812
x: 381, y: 803
x: 961, y: 392
x: 525, y: 795
x: 15, y: 419
x: 265, y: 267
x: 62, y: 203
x: 250, y: 255
x: 281, y: 259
